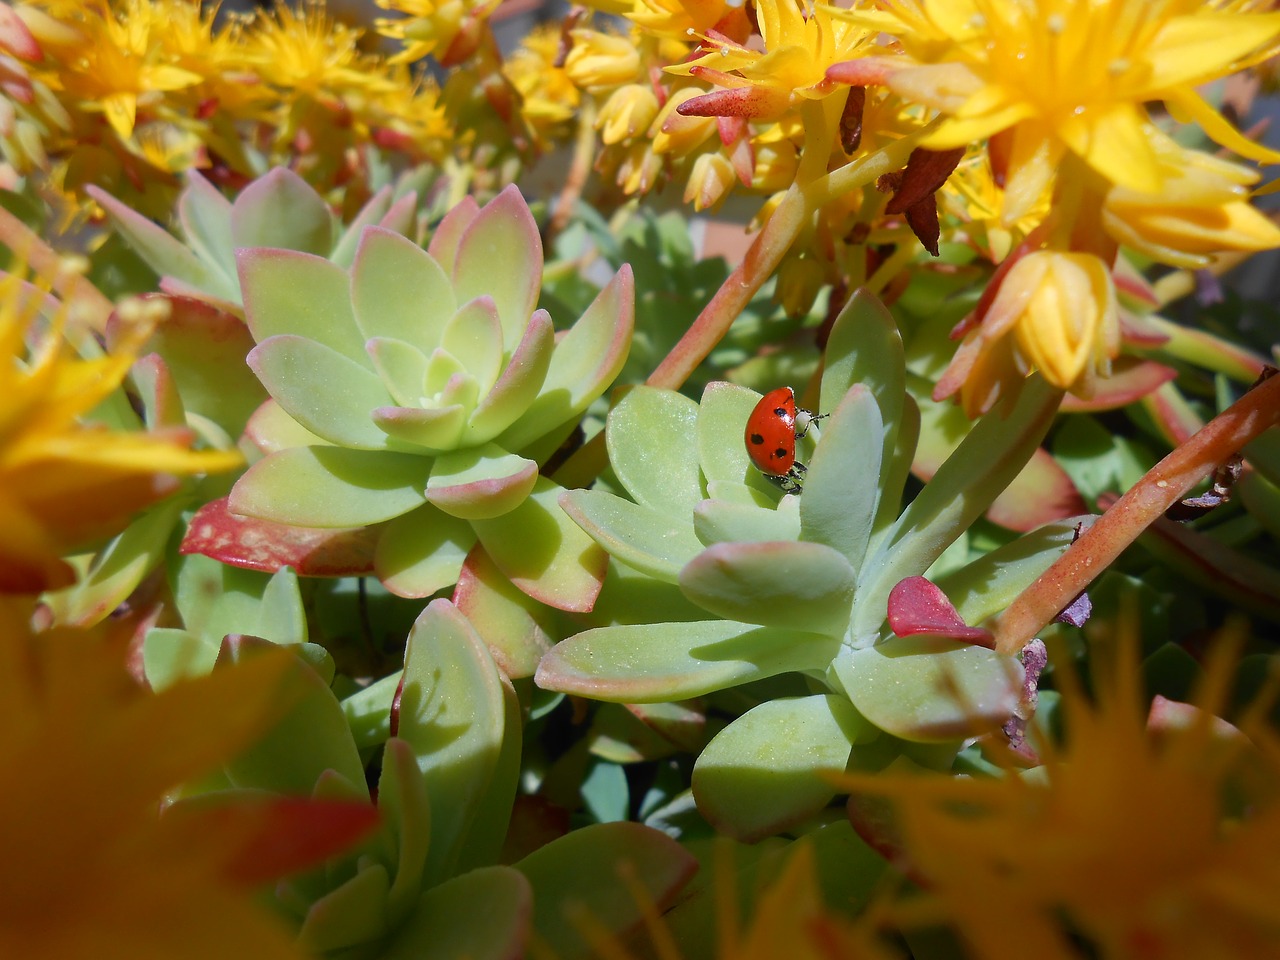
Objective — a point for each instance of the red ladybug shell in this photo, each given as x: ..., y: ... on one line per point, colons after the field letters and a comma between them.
x: 771, y: 432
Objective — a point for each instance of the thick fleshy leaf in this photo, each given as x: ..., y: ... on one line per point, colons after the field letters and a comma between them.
x: 401, y: 366
x: 170, y: 655
x: 444, y: 240
x: 290, y: 292
x: 163, y: 252
x: 455, y: 711
x: 267, y: 546
x: 543, y: 552
x: 280, y: 209
x: 310, y: 738
x: 1131, y: 379
x: 331, y: 486
x: 481, y: 482
x: 723, y: 521
x: 655, y: 662
x: 474, y: 336
x: 270, y: 429
x: 842, y: 486
x: 399, y: 291
x: 421, y: 552
x: 929, y: 689
x: 771, y: 768
x: 650, y: 436
x: 500, y: 255
x: 986, y: 586
x: 581, y: 873
x: 503, y: 617
x: 351, y: 914
x: 585, y: 362
x: 205, y: 215
x: 435, y: 429
x: 652, y: 542
x: 722, y: 417
x: 406, y: 812
x: 790, y: 584
x: 368, y: 713
x: 919, y: 607
x: 520, y: 383
x: 446, y: 923
x: 373, y: 212
x: 324, y: 391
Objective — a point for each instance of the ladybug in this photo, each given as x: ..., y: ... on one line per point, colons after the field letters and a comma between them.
x: 771, y: 435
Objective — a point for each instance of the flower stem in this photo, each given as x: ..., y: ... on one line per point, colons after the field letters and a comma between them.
x: 1163, y: 485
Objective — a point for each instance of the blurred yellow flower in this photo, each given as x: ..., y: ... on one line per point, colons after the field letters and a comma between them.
x: 629, y: 111
x: 64, y: 480
x: 1136, y: 839
x: 86, y: 755
x: 1058, y: 313
x: 602, y: 60
x: 447, y: 30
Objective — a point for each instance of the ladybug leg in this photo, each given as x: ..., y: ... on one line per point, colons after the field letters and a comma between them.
x: 793, y: 480
x: 804, y: 422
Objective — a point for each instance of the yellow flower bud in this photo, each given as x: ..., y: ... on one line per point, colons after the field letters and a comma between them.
x: 710, y: 180
x: 677, y: 135
x: 776, y: 165
x: 639, y: 170
x: 628, y: 111
x: 1062, y: 310
x: 602, y: 60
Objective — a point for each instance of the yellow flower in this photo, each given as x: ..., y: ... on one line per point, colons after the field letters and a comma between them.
x: 303, y: 51
x: 629, y: 110
x: 675, y: 19
x: 447, y: 30
x: 710, y: 180
x: 1061, y: 75
x: 86, y: 755
x: 1055, y: 312
x: 1125, y: 843
x: 548, y: 98
x: 973, y: 197
x: 602, y: 60
x: 65, y: 481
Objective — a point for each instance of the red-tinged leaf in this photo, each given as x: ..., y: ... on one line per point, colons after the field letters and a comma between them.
x: 922, y: 218
x: 16, y: 37
x: 160, y: 398
x: 749, y: 102
x: 865, y: 72
x: 1135, y: 289
x: 918, y: 606
x: 1137, y: 330
x: 1173, y: 715
x: 851, y: 119
x: 263, y: 545
x: 873, y: 819
x: 507, y: 620
x: 535, y: 822
x: 1131, y: 379
x: 1176, y: 418
x: 277, y: 837
x: 926, y: 171
x: 683, y: 723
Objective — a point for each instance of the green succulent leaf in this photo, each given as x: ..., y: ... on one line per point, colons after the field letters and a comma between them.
x: 311, y: 737
x: 170, y: 654
x: 770, y: 769
x: 543, y: 552
x: 433, y: 429
x: 781, y: 583
x: 865, y: 348
x: 722, y: 419
x: 455, y: 712
x: 351, y: 914
x: 932, y: 689
x: 422, y: 552
x: 406, y: 817
x: 652, y: 542
x: 842, y: 486
x: 578, y: 874
x: 326, y: 392
x: 448, y: 232
x: 508, y: 621
x: 723, y: 521
x: 205, y: 215
x: 280, y: 209
x: 368, y: 712
x: 402, y: 367
x: 474, y: 335
x: 372, y: 213
x: 500, y: 255
x: 649, y: 440
x: 480, y: 483
x: 290, y: 292
x: 657, y: 662
x: 518, y: 386
x: 271, y: 429
x: 331, y: 486
x: 399, y: 291
x: 586, y: 360
x: 481, y: 915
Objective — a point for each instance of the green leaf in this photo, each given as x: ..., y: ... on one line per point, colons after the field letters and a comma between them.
x: 474, y: 336
x: 205, y: 215
x: 605, y: 792
x: 723, y: 521
x: 641, y: 537
x: 508, y: 621
x: 480, y: 483
x: 399, y: 291
x: 324, y: 391
x: 373, y: 212
x: 577, y: 874
x: 481, y: 915
x: 354, y: 913
x: 512, y: 395
x: 722, y: 420
x: 770, y: 769
x: 865, y: 348
x: 401, y: 366
x: 290, y: 292
x: 368, y: 712
x: 932, y: 689
x: 170, y: 654
x: 454, y: 714
x: 406, y: 825
x: 543, y: 552
x: 500, y: 255
x: 657, y: 662
x: 782, y: 583
x: 280, y: 209
x: 422, y: 551
x: 842, y: 486
x: 650, y: 440
x: 331, y: 486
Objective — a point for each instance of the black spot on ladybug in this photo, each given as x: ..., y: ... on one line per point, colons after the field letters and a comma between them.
x: 780, y: 452
x: 756, y: 439
x: 780, y: 411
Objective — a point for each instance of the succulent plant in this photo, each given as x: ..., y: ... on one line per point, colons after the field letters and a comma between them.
x: 421, y: 390
x: 806, y: 583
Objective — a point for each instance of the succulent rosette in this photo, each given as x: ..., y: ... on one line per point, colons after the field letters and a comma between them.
x: 420, y: 390
x: 826, y: 584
